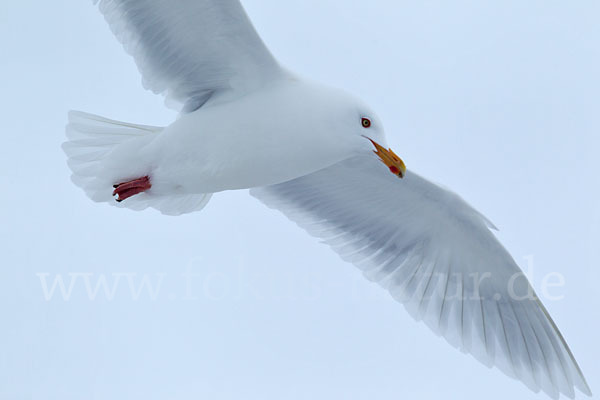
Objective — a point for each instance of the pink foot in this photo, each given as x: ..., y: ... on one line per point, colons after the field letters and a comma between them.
x: 127, y: 189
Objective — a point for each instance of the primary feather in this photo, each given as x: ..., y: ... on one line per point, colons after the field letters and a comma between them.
x: 436, y: 255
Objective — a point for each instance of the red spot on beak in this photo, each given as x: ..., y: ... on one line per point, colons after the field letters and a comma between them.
x: 394, y: 170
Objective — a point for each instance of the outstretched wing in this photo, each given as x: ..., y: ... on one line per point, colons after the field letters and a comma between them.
x: 189, y: 50
x: 437, y: 256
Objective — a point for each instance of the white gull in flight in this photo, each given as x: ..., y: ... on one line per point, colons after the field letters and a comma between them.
x: 319, y: 156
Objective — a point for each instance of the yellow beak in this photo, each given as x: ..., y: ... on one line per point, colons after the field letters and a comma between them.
x: 389, y: 158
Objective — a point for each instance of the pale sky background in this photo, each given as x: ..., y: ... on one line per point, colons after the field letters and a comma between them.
x: 499, y: 101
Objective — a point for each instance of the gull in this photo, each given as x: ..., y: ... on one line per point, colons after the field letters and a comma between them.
x: 320, y: 156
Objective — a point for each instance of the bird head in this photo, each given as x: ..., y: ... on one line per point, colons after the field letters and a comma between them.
x: 342, y: 112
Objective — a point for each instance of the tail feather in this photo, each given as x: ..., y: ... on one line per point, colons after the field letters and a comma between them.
x: 102, y: 152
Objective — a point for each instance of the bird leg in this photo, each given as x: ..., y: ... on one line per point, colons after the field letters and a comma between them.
x: 130, y: 188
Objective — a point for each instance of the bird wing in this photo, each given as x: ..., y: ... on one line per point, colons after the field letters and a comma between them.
x: 189, y: 50
x: 437, y: 256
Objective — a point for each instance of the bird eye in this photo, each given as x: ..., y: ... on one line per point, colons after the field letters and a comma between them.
x: 366, y: 123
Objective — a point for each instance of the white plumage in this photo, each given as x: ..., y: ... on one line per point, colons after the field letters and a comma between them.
x: 246, y: 122
x: 191, y: 50
x: 437, y: 256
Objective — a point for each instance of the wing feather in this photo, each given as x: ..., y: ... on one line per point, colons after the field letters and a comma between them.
x: 190, y: 50
x: 438, y: 257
